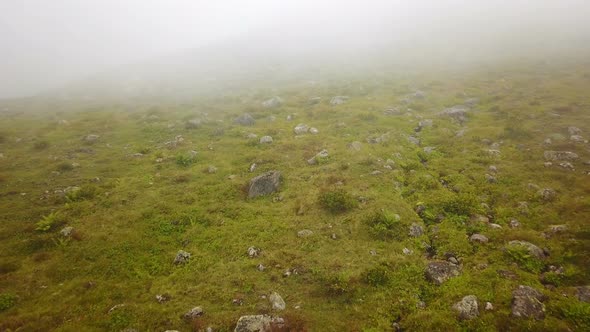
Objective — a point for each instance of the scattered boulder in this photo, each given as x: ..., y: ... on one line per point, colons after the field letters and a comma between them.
x: 416, y: 230
x: 355, y: 146
x: 574, y: 130
x: 441, y: 271
x: 67, y: 231
x: 547, y: 194
x: 193, y: 313
x: 301, y: 129
x: 259, y: 323
x: 467, y: 307
x: 478, y: 238
x: 265, y: 140
x: 253, y: 252
x: 527, y: 302
x: 273, y: 102
x: 91, y: 138
x: 531, y: 248
x: 560, y: 156
x: 304, y: 233
x: 338, y: 100
x: 318, y: 157
x: 182, y: 257
x: 276, y: 301
x: 583, y: 293
x: 245, y: 120
x: 264, y: 184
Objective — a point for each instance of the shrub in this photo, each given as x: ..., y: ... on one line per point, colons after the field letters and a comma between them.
x: 337, y: 201
x: 84, y: 193
x: 338, y: 284
x: 47, y: 222
x: 378, y: 275
x: 386, y: 225
x: 184, y: 160
x: 7, y: 301
x: 524, y: 259
x: 578, y: 313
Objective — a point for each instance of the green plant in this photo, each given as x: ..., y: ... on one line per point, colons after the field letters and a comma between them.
x: 84, y: 193
x: 337, y: 201
x: 524, y: 259
x: 184, y: 160
x: 379, y: 275
x: 338, y: 284
x: 41, y: 145
x: 578, y: 313
x: 65, y: 166
x: 47, y: 222
x: 7, y: 301
x: 386, y: 225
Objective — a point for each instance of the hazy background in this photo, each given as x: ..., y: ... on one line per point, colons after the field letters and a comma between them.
x: 144, y: 45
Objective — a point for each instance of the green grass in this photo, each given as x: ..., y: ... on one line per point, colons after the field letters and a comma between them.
x: 132, y: 213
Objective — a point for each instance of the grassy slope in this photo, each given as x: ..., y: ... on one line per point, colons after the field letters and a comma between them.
x: 130, y: 224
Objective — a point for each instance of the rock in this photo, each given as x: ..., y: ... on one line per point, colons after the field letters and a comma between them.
x: 259, y: 323
x: 314, y: 131
x: 338, y: 100
x: 253, y: 252
x: 301, y: 129
x: 407, y: 251
x: 453, y: 260
x: 548, y: 141
x: 273, y: 102
x: 567, y: 165
x: 251, y: 136
x: 290, y: 117
x: 265, y: 140
x: 264, y: 184
x: 560, y: 156
x: 490, y: 178
x: 429, y: 149
x: 457, y: 113
x: 514, y: 223
x: 314, y: 100
x: 182, y: 257
x: 414, y: 140
x: 193, y: 124
x: 441, y: 271
x: 547, y: 194
x: 531, y: 248
x: 578, y: 139
x: 252, y: 167
x: 478, y: 218
x: 91, y: 138
x: 557, y: 228
x: 478, y: 238
x: 67, y: 231
x: 355, y: 146
x: 211, y: 169
x: 245, y: 120
x: 416, y: 230
x: 467, y: 307
x: 318, y: 157
x: 193, y: 313
x: 583, y: 293
x: 495, y: 226
x: 393, y: 111
x: 162, y: 298
x: 527, y: 303
x: 304, y: 233
x: 425, y: 123
x: 574, y: 130
x: 276, y: 301
x: 489, y: 306
x: 260, y: 267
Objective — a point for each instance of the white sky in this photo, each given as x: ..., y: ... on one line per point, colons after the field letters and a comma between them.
x: 48, y: 42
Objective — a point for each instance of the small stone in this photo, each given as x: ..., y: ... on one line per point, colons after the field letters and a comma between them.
x: 356, y: 146
x: 489, y: 306
x: 193, y: 313
x: 453, y: 260
x: 266, y: 140
x: 304, y: 233
x: 467, y: 308
x: 491, y: 178
x: 514, y: 223
x: 478, y: 238
x: 162, y: 298
x: 67, y: 231
x: 301, y: 129
x: 495, y: 226
x: 182, y: 257
x: 441, y: 271
x: 314, y: 131
x: 416, y: 230
x: 260, y: 267
x: 493, y: 169
x: 407, y: 251
x: 253, y: 252
x: 527, y: 303
x: 211, y: 169
x: 547, y: 194
x: 333, y: 236
x: 276, y: 301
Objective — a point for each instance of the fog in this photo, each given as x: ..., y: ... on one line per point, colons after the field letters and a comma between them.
x: 50, y: 45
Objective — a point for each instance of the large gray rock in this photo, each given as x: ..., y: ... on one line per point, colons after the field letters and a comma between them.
x: 560, y: 156
x: 527, y: 302
x: 264, y: 184
x: 245, y: 120
x: 272, y: 102
x: 441, y: 271
x: 182, y: 257
x: 531, y: 248
x: 259, y: 323
x: 467, y: 308
x: 276, y: 301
